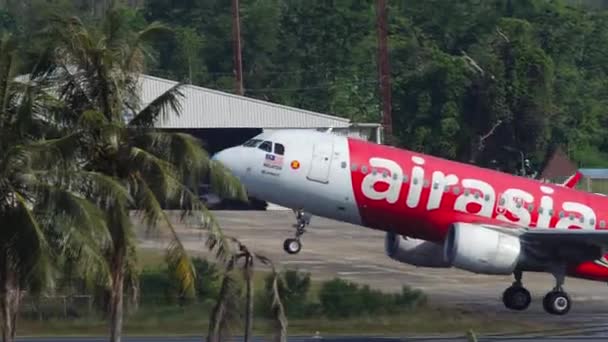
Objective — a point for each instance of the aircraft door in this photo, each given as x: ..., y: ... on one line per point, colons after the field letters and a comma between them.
x: 321, y: 161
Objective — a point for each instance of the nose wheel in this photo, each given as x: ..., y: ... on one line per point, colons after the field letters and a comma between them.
x: 294, y: 245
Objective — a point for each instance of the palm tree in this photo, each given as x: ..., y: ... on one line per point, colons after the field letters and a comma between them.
x: 224, y: 314
x: 41, y: 219
x: 97, y: 74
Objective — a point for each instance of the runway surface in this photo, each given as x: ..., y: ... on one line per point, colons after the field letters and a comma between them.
x: 332, y: 248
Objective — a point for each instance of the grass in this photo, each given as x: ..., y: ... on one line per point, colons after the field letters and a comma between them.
x: 193, y: 319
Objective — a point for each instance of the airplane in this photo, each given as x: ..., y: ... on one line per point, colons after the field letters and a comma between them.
x: 436, y: 213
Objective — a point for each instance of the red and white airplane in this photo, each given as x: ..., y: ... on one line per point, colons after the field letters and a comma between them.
x: 436, y: 212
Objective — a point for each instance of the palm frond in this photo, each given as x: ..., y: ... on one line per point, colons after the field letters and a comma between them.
x: 31, y: 251
x: 182, y: 150
x: 80, y: 227
x: 156, y: 171
x: 195, y: 213
x: 192, y: 162
x: 7, y: 50
x: 104, y: 191
x: 137, y: 51
x: 47, y: 154
x: 177, y: 257
x: 224, y: 183
x: 167, y: 103
x: 163, y: 182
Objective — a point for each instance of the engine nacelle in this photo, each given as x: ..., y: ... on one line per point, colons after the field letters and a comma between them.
x: 481, y: 250
x: 413, y: 251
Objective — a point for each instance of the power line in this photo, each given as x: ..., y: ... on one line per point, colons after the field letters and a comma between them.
x: 324, y: 86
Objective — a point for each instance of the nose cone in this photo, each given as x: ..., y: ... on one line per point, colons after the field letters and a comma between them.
x: 229, y: 158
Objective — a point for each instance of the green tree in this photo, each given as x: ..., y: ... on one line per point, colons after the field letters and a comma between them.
x: 45, y: 213
x: 98, y: 71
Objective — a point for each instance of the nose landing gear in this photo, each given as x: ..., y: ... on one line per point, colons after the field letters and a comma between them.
x: 293, y: 245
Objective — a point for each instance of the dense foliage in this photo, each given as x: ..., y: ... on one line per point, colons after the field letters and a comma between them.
x: 472, y: 80
x: 338, y: 298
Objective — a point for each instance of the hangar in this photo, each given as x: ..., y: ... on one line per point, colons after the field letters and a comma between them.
x: 221, y: 120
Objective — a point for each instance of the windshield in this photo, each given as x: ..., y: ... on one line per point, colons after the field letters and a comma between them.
x: 252, y: 142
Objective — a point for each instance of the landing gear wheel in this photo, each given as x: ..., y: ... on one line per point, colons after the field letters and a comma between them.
x: 292, y: 246
x: 516, y: 298
x: 557, y: 303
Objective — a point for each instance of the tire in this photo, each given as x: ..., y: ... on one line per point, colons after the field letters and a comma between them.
x: 557, y: 303
x: 516, y: 298
x: 292, y: 246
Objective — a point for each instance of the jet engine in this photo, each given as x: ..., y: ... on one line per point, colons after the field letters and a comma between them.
x: 413, y: 251
x: 482, y: 250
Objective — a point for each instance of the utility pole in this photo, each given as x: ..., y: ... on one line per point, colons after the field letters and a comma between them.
x: 384, y: 68
x: 236, y: 37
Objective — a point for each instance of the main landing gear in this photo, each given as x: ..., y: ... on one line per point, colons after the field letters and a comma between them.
x: 517, y: 297
x: 556, y: 302
x: 293, y: 245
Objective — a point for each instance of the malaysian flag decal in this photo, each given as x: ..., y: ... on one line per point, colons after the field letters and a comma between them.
x: 273, y: 161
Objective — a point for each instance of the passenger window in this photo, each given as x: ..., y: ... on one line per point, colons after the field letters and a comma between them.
x: 279, y: 149
x: 266, y: 146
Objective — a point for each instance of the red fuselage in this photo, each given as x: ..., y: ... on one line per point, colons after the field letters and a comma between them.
x: 421, y: 196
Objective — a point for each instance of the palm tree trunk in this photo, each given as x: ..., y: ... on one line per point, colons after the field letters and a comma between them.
x: 10, y: 303
x: 219, y: 311
x: 116, y: 297
x: 249, y: 309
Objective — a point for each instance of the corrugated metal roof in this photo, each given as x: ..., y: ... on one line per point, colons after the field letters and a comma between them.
x: 595, y: 173
x: 207, y: 108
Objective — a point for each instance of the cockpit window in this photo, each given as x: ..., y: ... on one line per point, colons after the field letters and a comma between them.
x: 252, y: 142
x: 266, y: 146
x: 279, y: 149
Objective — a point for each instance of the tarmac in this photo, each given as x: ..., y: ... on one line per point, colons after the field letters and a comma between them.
x: 317, y: 339
x: 335, y: 249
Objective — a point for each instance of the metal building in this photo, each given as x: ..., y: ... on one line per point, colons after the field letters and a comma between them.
x: 210, y: 114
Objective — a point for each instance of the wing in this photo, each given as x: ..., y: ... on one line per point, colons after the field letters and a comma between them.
x: 573, y: 244
x: 598, y: 238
